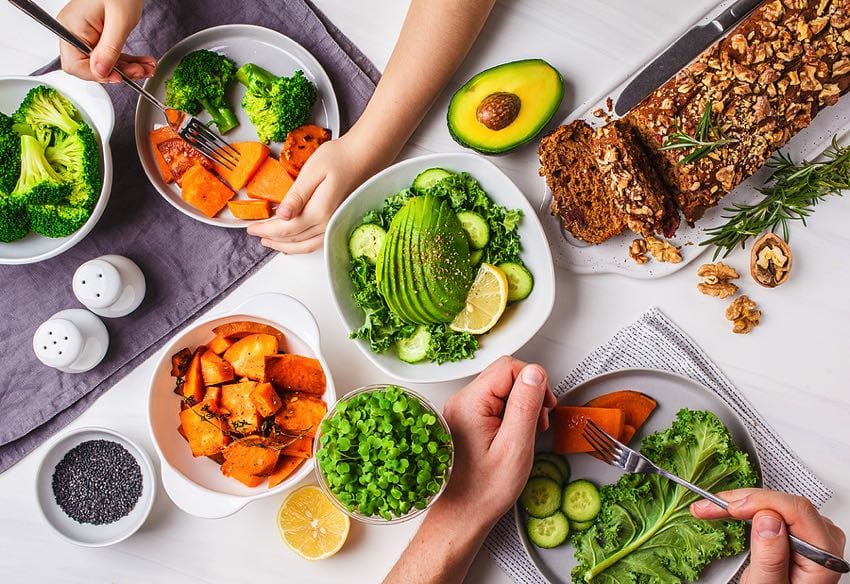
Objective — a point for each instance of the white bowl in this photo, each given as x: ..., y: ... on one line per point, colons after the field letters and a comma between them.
x: 96, y: 109
x: 86, y: 534
x: 521, y: 321
x: 196, y: 485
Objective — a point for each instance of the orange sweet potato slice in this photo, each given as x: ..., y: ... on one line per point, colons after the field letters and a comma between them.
x: 250, y: 210
x: 636, y: 406
x: 220, y: 344
x: 157, y: 137
x: 300, y: 413
x: 180, y: 157
x: 215, y: 369
x: 286, y: 465
x: 271, y: 182
x: 246, y: 355
x: 299, y: 448
x: 266, y: 400
x: 203, y: 428
x: 243, y: 328
x: 213, y: 393
x: 236, y: 399
x: 295, y: 373
x: 193, y: 384
x: 253, y: 455
x: 251, y: 157
x: 300, y: 144
x: 570, y: 422
x: 205, y: 192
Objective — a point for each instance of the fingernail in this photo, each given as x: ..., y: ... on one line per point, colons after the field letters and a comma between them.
x: 768, y: 526
x: 532, y: 375
x: 101, y: 69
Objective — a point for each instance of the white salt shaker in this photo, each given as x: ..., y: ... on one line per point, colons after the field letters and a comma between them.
x: 72, y: 341
x: 111, y: 286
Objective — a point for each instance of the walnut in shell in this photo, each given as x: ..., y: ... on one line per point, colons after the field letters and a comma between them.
x: 744, y: 315
x: 715, y: 280
x: 770, y: 260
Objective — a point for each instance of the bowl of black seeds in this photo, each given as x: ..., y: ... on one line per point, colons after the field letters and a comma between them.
x: 95, y: 486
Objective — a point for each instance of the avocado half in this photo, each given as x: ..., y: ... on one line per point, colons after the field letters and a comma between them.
x: 505, y: 106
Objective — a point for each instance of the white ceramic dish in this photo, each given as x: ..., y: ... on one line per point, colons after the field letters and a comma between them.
x: 672, y: 392
x: 196, y: 485
x: 521, y: 321
x: 242, y: 43
x: 96, y: 109
x: 86, y: 534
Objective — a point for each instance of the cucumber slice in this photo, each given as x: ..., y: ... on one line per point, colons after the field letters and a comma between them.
x: 366, y: 241
x: 476, y: 229
x: 428, y: 178
x: 475, y: 256
x: 558, y: 461
x: 548, y: 532
x: 581, y: 525
x: 581, y: 501
x: 544, y: 468
x: 413, y: 348
x: 541, y: 497
x: 520, y: 281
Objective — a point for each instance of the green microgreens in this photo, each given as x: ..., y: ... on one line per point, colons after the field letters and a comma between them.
x: 707, y: 138
x: 383, y: 453
x: 790, y: 194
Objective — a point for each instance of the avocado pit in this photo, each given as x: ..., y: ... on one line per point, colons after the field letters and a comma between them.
x: 498, y: 110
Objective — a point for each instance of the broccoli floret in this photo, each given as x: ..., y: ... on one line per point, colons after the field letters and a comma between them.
x: 76, y: 158
x: 56, y: 220
x: 199, y: 82
x: 275, y: 105
x: 14, y: 220
x: 45, y: 110
x: 38, y: 182
x: 10, y: 154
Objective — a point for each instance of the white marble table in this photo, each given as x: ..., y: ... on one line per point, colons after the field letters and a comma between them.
x: 794, y: 367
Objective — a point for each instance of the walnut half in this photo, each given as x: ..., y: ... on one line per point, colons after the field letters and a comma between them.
x: 715, y: 280
x: 663, y: 251
x: 637, y: 251
x: 770, y: 260
x: 744, y: 315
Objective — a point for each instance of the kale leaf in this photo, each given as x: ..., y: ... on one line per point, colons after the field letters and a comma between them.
x: 447, y: 345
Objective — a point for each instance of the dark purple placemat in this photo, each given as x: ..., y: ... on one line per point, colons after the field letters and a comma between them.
x: 189, y: 265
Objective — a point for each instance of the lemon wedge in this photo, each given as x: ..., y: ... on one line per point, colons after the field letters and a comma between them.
x: 311, y: 525
x: 485, y: 302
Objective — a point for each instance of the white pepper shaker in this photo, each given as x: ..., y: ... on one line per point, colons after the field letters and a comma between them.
x: 72, y: 340
x: 110, y: 286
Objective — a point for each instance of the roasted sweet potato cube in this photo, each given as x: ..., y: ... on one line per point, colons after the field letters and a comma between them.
x: 253, y: 454
x: 243, y: 328
x: 230, y: 469
x: 213, y: 392
x: 300, y: 413
x: 236, y: 399
x: 286, y: 465
x: 180, y: 362
x: 299, y: 448
x: 266, y: 400
x: 246, y: 355
x: 295, y: 373
x: 220, y: 344
x: 203, y: 428
x: 193, y: 384
x: 215, y: 369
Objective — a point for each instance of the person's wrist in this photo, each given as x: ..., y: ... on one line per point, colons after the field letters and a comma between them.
x: 461, y: 518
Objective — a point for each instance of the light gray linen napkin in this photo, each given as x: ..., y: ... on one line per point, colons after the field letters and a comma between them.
x: 655, y: 342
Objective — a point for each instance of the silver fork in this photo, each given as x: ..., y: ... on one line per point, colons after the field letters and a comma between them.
x: 618, y: 454
x: 191, y: 129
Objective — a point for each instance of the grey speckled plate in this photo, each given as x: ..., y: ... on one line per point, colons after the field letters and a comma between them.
x: 672, y: 392
x: 242, y: 43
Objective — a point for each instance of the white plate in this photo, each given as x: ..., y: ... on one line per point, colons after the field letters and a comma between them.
x: 196, y: 485
x: 612, y: 256
x: 86, y: 534
x: 672, y: 392
x: 520, y: 322
x: 242, y: 43
x: 96, y: 109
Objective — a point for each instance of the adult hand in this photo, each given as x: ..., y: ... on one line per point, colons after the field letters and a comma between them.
x: 330, y: 174
x: 104, y: 25
x: 494, y: 422
x: 774, y: 514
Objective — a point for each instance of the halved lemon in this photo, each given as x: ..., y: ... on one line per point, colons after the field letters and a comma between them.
x: 485, y: 302
x: 311, y: 525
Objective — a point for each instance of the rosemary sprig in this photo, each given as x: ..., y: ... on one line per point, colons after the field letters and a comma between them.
x: 790, y: 194
x: 706, y: 139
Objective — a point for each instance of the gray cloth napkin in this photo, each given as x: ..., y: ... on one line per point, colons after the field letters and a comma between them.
x: 655, y: 342
x: 189, y: 265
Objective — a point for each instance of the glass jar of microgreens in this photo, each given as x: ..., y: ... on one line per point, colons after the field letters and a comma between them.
x: 383, y: 454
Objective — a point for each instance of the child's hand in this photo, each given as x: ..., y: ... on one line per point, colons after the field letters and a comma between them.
x: 104, y: 25
x: 331, y: 173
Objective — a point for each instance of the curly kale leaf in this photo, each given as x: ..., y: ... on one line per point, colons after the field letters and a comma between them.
x: 447, y: 345
x: 644, y: 531
x: 381, y: 327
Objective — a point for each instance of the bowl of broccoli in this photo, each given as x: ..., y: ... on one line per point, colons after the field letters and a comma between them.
x: 55, y: 164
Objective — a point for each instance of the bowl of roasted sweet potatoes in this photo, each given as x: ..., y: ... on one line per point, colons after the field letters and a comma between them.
x: 235, y: 402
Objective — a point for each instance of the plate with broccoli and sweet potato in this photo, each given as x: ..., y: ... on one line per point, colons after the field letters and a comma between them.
x: 260, y: 90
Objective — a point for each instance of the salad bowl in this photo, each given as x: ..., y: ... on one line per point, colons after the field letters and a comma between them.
x: 519, y: 323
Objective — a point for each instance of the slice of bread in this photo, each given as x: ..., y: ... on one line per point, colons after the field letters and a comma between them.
x: 581, y: 198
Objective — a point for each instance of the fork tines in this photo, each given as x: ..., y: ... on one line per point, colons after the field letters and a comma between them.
x: 604, y: 444
x: 210, y: 144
